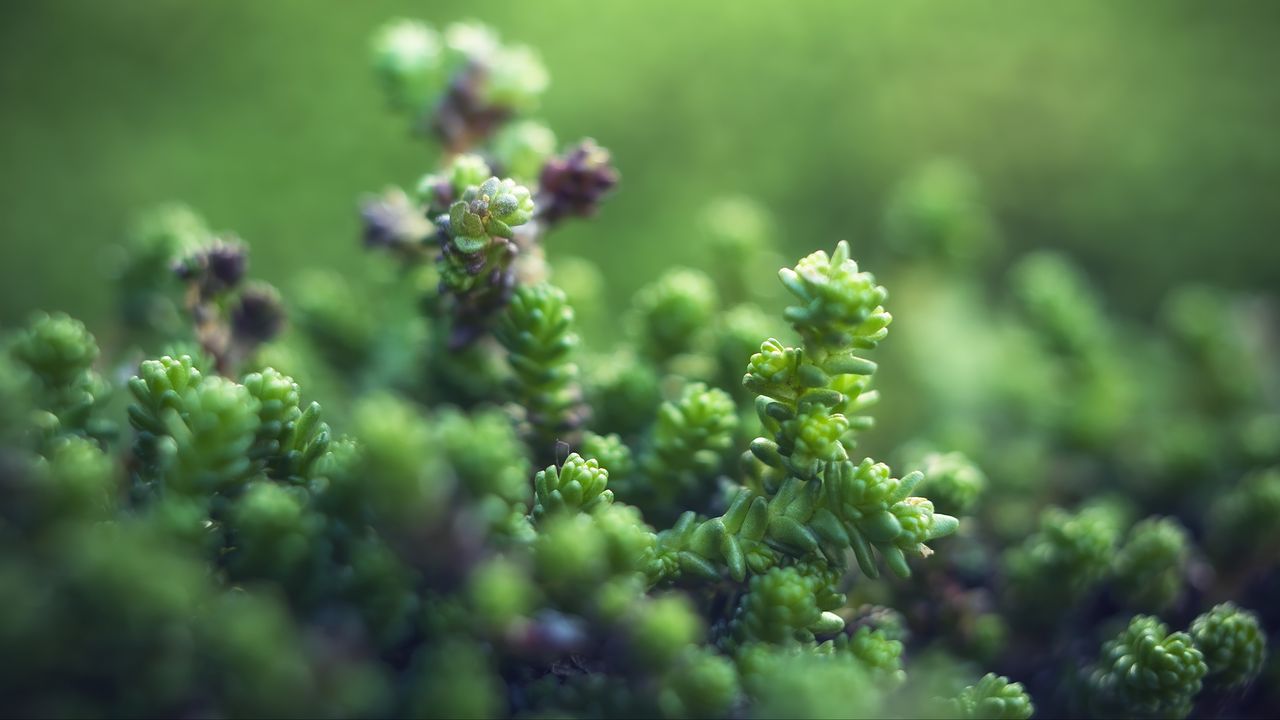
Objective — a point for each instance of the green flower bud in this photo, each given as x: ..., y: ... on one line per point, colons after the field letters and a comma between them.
x: 522, y: 147
x: 740, y: 228
x: 1063, y: 561
x: 403, y: 483
x: 793, y: 683
x: 278, y: 397
x: 382, y: 588
x: 438, y: 191
x: 1148, y: 672
x: 915, y: 515
x: 16, y: 401
x: 737, y: 335
x: 1233, y: 644
x: 817, y: 433
x: 630, y: 546
x: 516, y: 79
x: 149, y: 301
x: 953, y: 481
x: 501, y: 593
x: 576, y: 486
x: 663, y: 628
x: 275, y: 536
x: 57, y: 348
x: 773, y: 368
x: 988, y: 636
x: 878, y: 653
x: 471, y: 41
x: 1206, y: 323
x: 455, y: 679
x: 866, y: 487
x: 780, y: 606
x: 212, y: 436
x: 694, y: 432
x: 78, y: 484
x: 59, y: 352
x: 839, y: 306
x: 1059, y: 301
x: 669, y: 314
x: 938, y: 213
x: 993, y: 697
x: 1241, y: 523
x: 1150, y: 566
x: 624, y: 392
x: 610, y: 452
x: 159, y: 386
x: 699, y: 684
x: 490, y: 209
x: 406, y: 57
x: 569, y: 557
x: 486, y: 455
x: 538, y: 332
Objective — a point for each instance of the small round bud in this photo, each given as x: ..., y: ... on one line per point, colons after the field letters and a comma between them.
x: 406, y: 57
x: 258, y: 315
x: 573, y: 184
x: 522, y: 147
x: 994, y: 697
x: 1233, y: 644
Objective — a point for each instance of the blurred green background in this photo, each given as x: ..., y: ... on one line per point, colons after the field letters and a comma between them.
x: 1139, y: 137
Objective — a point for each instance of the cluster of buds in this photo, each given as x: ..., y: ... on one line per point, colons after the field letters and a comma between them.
x: 461, y: 87
x: 231, y: 317
x: 392, y: 222
x: 477, y: 256
x: 473, y: 93
x: 573, y: 184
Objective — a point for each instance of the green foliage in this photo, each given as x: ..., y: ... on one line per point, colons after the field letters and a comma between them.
x: 407, y: 58
x: 691, y: 437
x: 455, y: 680
x: 839, y: 306
x: 60, y: 353
x: 537, y: 331
x: 490, y: 209
x: 954, y: 483
x: 700, y: 684
x: 290, y: 439
x: 1232, y: 642
x: 668, y: 314
x: 666, y: 524
x: 485, y: 453
x: 397, y: 465
x: 793, y: 683
x: 1063, y: 561
x: 1151, y: 564
x: 577, y: 485
x: 781, y: 606
x: 1240, y: 525
x: 623, y: 391
x: 663, y: 628
x: 149, y: 305
x: 938, y: 213
x: 523, y: 147
x: 994, y: 697
x: 1146, y: 671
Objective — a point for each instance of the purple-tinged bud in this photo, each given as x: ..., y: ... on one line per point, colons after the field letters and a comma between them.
x: 573, y: 185
x: 259, y: 314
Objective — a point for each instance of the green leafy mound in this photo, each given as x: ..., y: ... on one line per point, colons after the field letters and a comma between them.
x: 467, y: 486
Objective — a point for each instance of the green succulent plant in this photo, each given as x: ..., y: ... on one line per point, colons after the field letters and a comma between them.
x: 451, y: 488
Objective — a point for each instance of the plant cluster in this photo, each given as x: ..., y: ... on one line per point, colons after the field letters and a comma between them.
x: 432, y: 494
